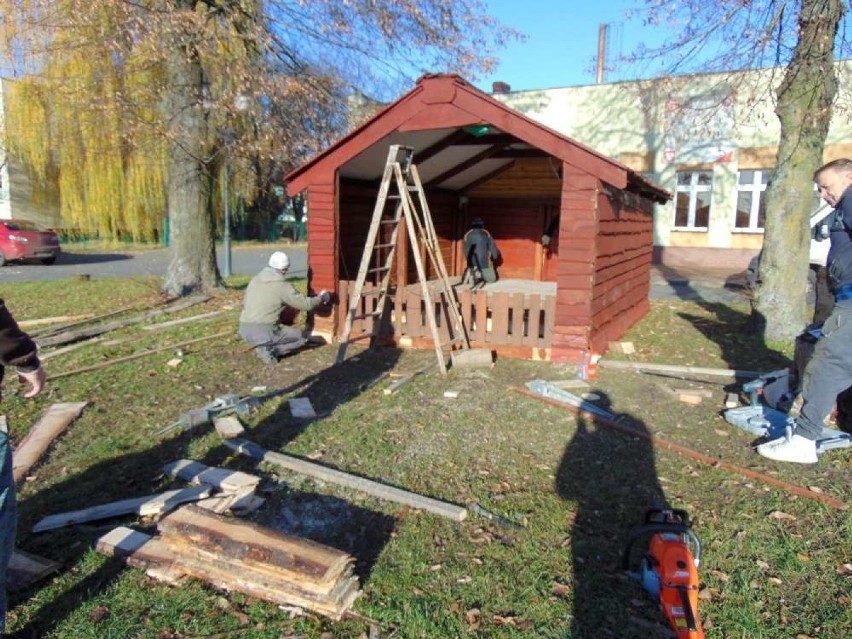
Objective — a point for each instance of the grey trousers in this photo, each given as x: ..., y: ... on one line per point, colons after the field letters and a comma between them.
x: 829, y: 372
x: 277, y: 340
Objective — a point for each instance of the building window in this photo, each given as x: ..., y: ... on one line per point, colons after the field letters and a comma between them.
x: 750, y: 201
x: 693, y: 199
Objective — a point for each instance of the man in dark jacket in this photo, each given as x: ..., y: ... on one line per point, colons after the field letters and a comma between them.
x: 18, y: 350
x: 481, y: 253
x: 829, y: 371
x: 270, y: 306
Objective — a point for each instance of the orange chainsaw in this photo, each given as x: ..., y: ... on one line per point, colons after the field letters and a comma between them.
x: 669, y: 568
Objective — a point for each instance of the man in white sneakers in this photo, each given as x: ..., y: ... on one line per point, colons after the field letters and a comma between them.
x: 270, y: 307
x: 830, y: 370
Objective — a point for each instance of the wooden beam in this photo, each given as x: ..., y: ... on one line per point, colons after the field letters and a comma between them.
x: 383, y: 491
x: 128, y: 358
x: 147, y: 505
x: 35, y: 443
x: 501, y: 139
x: 25, y: 569
x: 183, y: 320
x: 54, y: 320
x: 453, y: 139
x: 463, y: 166
x: 223, y: 480
x: 66, y: 337
x: 311, y: 565
x: 666, y: 368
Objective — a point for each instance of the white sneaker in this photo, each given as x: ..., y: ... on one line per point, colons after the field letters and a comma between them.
x: 793, y: 448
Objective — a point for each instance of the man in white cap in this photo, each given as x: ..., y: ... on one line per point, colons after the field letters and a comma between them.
x: 270, y: 306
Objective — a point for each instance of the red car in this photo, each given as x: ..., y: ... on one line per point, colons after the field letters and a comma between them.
x: 22, y: 239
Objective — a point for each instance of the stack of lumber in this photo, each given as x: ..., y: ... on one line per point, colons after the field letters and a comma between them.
x: 235, y: 555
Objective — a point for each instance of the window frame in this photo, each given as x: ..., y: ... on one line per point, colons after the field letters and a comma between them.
x: 757, y: 190
x: 693, y: 189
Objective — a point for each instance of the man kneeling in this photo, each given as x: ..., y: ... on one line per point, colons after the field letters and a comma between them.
x: 269, y: 305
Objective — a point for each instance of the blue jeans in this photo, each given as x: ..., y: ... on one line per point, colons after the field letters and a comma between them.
x: 8, y: 519
x: 829, y: 372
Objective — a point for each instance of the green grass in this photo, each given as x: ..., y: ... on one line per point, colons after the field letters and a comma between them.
x: 578, y: 487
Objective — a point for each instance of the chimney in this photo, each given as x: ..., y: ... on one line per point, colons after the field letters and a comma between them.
x: 500, y: 87
x: 601, y: 53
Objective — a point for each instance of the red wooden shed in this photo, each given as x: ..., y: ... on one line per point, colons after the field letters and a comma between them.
x: 479, y: 158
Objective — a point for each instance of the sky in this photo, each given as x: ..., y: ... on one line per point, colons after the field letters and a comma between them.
x: 562, y: 41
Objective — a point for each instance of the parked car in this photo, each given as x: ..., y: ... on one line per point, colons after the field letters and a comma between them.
x: 22, y: 239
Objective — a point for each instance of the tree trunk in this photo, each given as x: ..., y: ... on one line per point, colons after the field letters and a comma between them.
x: 193, y: 266
x: 805, y: 99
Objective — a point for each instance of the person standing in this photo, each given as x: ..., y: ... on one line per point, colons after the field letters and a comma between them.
x: 270, y: 306
x: 18, y: 350
x: 481, y: 253
x: 829, y: 371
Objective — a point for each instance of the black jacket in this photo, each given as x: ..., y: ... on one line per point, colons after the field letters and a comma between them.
x: 16, y: 347
x: 839, y: 260
x: 478, y: 246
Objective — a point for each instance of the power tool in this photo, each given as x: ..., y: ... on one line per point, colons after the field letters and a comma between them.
x: 669, y: 568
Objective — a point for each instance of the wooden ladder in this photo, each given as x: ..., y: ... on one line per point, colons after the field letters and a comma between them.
x: 399, y: 181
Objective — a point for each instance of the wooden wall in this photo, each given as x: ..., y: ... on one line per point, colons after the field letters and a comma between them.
x: 623, y: 266
x: 322, y: 253
x: 578, y: 237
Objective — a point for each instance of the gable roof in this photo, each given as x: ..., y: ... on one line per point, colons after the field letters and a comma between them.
x: 459, y: 134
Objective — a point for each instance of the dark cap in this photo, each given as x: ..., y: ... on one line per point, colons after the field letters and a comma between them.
x: 477, y: 222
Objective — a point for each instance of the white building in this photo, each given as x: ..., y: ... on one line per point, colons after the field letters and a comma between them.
x: 710, y: 139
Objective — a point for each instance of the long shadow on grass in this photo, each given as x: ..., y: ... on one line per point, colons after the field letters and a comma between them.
x: 611, y: 480
x: 355, y: 530
x: 323, y: 518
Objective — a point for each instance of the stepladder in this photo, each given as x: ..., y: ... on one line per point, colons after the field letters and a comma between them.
x: 401, y: 209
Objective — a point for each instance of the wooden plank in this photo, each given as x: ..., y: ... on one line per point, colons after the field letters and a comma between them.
x: 517, y: 306
x: 155, y: 553
x: 67, y: 349
x: 52, y: 423
x: 480, y: 332
x: 499, y: 318
x: 25, y: 569
x: 183, y: 320
x: 413, y: 313
x: 121, y: 541
x: 314, y: 566
x: 691, y: 370
x: 147, y: 505
x: 221, y: 479
x: 66, y: 337
x: 549, y: 320
x: 383, y: 491
x: 54, y: 320
x: 402, y: 381
x: 533, y: 320
x: 228, y: 426
x: 301, y: 407
x: 151, y: 351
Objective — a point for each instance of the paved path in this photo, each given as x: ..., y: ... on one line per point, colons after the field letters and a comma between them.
x: 666, y: 283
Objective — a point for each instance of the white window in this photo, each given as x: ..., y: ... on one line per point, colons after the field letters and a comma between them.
x: 692, y: 206
x: 751, y: 212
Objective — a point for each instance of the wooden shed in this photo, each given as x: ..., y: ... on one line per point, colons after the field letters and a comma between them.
x: 479, y: 158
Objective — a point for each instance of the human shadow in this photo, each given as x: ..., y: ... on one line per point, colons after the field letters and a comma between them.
x: 356, y: 530
x: 609, y: 479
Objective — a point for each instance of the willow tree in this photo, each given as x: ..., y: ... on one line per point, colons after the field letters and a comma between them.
x: 132, y: 108
x: 800, y: 36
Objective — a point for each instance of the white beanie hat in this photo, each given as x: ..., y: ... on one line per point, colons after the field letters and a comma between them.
x: 279, y: 260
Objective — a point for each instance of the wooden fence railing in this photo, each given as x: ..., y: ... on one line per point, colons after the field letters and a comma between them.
x: 498, y: 318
